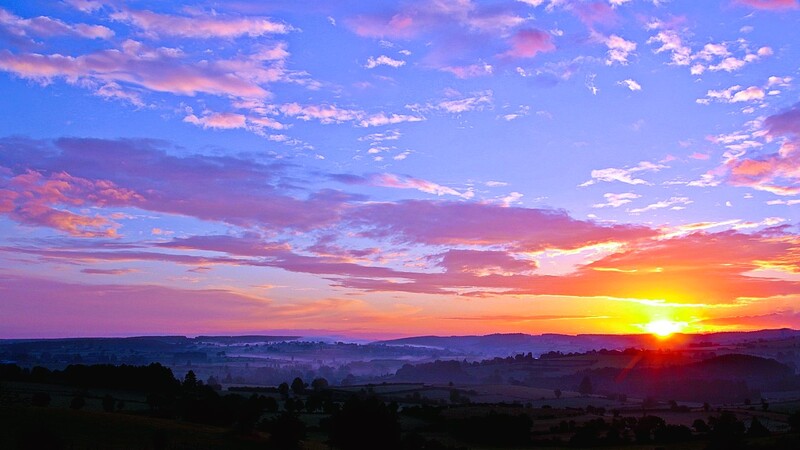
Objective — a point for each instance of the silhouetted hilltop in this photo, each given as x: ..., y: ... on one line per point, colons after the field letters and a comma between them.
x: 246, y: 339
x: 514, y: 343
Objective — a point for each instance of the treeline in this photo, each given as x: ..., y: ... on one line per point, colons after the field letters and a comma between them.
x: 151, y: 378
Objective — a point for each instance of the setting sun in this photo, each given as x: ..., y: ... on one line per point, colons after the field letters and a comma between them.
x: 664, y: 328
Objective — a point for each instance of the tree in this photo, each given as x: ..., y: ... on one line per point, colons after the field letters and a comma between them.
x: 190, y: 380
x: 557, y: 393
x: 283, y: 389
x: 585, y: 388
x: 700, y: 426
x: 298, y: 387
x: 319, y: 384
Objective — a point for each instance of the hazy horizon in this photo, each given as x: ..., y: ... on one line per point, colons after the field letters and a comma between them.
x: 390, y: 169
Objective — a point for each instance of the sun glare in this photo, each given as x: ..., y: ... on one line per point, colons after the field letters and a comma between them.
x: 664, y: 328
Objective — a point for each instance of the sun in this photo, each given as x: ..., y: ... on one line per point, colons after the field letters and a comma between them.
x: 664, y: 328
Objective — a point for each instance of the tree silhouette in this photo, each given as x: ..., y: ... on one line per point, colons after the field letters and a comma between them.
x: 557, y: 393
x: 190, y: 380
x: 283, y: 389
x: 319, y: 384
x: 298, y: 387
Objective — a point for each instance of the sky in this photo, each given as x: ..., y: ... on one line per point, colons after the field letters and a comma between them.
x: 394, y: 168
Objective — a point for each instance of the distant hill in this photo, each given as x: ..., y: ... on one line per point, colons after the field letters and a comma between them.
x: 515, y: 343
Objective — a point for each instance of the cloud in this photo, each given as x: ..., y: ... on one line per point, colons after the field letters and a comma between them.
x: 400, y: 25
x: 618, y: 50
x: 383, y: 60
x: 381, y: 119
x: 141, y: 174
x: 403, y: 182
x: 672, y: 42
x: 483, y: 263
x: 107, y: 271
x: 158, y: 70
x: 200, y: 26
x: 630, y: 84
x: 701, y: 270
x: 777, y: 172
x: 674, y: 203
x: 528, y: 43
x: 48, y: 27
x: 469, y: 223
x: 734, y: 94
x: 729, y: 64
x: 417, y: 18
x: 769, y: 5
x: 220, y: 121
x: 749, y: 94
x: 491, y: 248
x: 591, y: 13
x: 34, y: 199
x: 477, y: 101
x: 617, y: 200
x: 623, y: 175
x: 469, y: 71
x: 328, y: 114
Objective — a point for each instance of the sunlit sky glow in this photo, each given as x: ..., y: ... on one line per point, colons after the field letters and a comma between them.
x: 371, y: 169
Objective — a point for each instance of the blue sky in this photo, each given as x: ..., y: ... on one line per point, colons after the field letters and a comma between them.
x: 390, y: 159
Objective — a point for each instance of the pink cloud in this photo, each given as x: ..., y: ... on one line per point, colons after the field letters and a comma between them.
x: 696, y: 269
x: 200, y: 26
x: 469, y: 71
x: 328, y: 114
x: 406, y: 182
x: 785, y: 123
x: 482, y: 263
x: 107, y: 271
x: 31, y: 198
x: 776, y: 173
x: 49, y: 27
x: 220, y: 121
x: 467, y: 34
x: 136, y: 65
x: 769, y: 5
x: 452, y: 223
x: 399, y: 25
x: 528, y: 43
x: 250, y: 244
x: 169, y: 184
x: 595, y: 12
